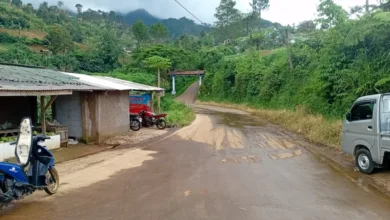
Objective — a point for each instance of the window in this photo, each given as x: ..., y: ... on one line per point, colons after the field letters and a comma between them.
x: 385, y: 114
x: 362, y: 111
x: 386, y: 104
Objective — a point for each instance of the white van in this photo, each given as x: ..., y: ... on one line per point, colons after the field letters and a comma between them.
x: 366, y: 132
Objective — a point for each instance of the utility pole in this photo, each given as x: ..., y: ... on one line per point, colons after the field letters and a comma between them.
x: 289, y: 51
x: 367, y: 6
x: 159, y: 96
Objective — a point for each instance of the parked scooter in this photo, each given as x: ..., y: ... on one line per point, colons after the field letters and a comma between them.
x: 41, y: 174
x: 135, y: 122
x: 150, y: 119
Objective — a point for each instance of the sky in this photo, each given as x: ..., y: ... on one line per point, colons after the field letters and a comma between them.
x: 282, y: 11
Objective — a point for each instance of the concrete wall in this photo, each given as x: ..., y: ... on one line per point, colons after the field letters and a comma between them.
x: 104, y: 114
x: 114, y: 114
x: 89, y: 111
x: 13, y: 109
x: 7, y: 150
x: 68, y: 113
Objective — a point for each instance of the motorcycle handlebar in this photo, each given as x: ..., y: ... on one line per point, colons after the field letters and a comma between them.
x: 41, y: 137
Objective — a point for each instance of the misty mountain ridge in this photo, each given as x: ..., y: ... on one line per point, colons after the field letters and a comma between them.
x: 177, y: 27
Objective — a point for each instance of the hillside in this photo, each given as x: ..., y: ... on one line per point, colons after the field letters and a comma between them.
x: 176, y: 27
x: 101, y: 41
x: 140, y: 14
x: 182, y: 26
x: 92, y: 41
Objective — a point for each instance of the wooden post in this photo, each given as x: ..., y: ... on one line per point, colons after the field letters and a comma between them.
x: 43, y: 115
x: 289, y: 51
x: 152, y: 101
x: 51, y: 101
x: 158, y: 95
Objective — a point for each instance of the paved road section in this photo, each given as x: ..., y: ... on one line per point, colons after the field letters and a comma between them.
x: 226, y: 166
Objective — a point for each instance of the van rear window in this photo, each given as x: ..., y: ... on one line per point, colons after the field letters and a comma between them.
x: 386, y: 104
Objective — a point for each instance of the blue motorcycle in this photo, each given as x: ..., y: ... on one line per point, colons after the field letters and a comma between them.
x: 35, y: 169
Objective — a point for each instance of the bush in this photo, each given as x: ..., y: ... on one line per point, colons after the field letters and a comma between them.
x: 178, y: 113
x: 7, y: 39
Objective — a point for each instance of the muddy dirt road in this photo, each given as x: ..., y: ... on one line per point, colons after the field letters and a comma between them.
x: 189, y: 96
x: 226, y: 165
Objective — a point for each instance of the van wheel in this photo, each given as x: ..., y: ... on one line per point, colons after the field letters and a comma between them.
x: 364, y: 161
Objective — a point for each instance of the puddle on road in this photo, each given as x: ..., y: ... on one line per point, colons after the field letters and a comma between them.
x: 227, y: 130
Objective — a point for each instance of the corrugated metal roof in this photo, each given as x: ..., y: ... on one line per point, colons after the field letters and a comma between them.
x: 133, y: 85
x: 20, y: 78
x: 109, y: 83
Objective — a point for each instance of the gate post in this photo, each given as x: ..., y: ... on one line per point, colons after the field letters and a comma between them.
x: 200, y: 80
x: 173, y: 84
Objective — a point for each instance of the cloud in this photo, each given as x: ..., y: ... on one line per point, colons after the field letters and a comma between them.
x: 282, y: 11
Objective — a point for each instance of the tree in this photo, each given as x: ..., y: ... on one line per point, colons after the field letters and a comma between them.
x: 226, y: 14
x: 112, y: 16
x: 60, y: 4
x: 306, y: 26
x: 29, y: 8
x: 258, y: 6
x: 43, y: 12
x: 79, y: 8
x: 141, y: 32
x: 330, y: 14
x: 159, y: 32
x: 109, y: 49
x: 59, y: 39
x: 17, y: 3
x: 160, y: 64
x: 256, y: 40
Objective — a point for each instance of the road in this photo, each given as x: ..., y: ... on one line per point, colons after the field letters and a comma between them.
x: 227, y: 165
x: 189, y: 96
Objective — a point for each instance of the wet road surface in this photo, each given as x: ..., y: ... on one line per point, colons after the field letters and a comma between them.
x: 226, y: 165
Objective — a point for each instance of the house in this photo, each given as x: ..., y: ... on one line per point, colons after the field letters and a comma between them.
x: 92, y: 108
x: 97, y: 115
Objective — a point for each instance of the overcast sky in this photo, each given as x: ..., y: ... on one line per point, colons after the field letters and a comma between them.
x: 282, y: 11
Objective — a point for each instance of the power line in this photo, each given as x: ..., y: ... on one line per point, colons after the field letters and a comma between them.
x: 201, y: 22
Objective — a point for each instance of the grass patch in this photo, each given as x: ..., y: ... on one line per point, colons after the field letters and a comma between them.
x: 4, y: 48
x: 37, y: 48
x: 29, y: 34
x: 178, y: 113
x: 315, y: 128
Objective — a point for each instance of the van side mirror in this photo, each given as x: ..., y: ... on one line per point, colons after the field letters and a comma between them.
x: 348, y: 116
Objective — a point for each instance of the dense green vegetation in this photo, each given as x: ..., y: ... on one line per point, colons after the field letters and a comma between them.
x: 323, y: 65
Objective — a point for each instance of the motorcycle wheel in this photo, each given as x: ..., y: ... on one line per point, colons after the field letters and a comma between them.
x: 2, y: 206
x: 52, y: 186
x: 161, y: 124
x: 135, y: 125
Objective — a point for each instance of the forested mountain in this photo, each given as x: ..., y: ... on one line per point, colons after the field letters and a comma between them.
x: 140, y: 14
x: 176, y: 27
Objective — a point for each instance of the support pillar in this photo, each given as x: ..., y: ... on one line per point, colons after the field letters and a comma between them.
x: 43, y: 115
x: 173, y: 85
x: 200, y: 80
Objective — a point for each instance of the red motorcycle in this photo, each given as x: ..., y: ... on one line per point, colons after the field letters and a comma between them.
x: 150, y: 119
